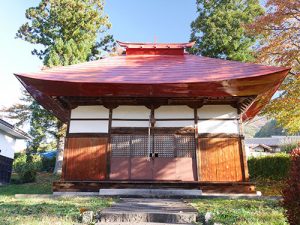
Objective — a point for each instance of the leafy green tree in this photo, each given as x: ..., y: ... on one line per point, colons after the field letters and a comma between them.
x: 219, y: 28
x: 65, y: 32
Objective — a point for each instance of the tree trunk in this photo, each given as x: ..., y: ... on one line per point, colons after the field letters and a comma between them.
x: 60, y: 140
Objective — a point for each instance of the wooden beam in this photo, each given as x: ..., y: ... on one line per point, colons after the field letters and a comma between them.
x: 208, y: 187
x: 157, y: 130
x: 218, y: 135
x: 81, y: 135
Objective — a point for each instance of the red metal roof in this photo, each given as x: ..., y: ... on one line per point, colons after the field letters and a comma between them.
x: 152, y: 69
x: 156, y: 76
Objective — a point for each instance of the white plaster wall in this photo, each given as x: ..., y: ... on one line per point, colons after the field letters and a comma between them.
x: 7, y: 145
x: 88, y: 126
x: 118, y: 123
x: 88, y: 112
x: 131, y: 112
x: 218, y: 126
x: 217, y: 111
x: 174, y: 112
x: 173, y: 123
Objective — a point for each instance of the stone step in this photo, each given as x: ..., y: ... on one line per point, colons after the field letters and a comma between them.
x: 147, y: 210
x: 149, y: 217
x: 145, y: 223
x: 151, y: 193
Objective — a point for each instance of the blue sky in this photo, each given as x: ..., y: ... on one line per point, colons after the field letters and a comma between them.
x: 132, y: 20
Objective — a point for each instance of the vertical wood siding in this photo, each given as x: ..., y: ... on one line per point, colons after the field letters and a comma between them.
x: 85, y: 159
x: 220, y: 159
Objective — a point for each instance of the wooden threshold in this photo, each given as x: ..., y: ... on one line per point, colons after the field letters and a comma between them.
x: 208, y: 187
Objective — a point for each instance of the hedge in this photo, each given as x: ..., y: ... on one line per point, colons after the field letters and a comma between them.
x: 274, y: 167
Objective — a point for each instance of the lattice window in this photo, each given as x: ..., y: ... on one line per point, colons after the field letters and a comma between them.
x: 130, y: 145
x: 185, y: 146
x: 120, y: 145
x: 165, y: 145
x: 139, y: 145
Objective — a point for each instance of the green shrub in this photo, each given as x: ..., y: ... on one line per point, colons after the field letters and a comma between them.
x: 288, y: 147
x: 48, y: 164
x: 274, y: 167
x: 27, y: 169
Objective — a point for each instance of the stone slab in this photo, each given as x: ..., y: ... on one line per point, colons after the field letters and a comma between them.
x: 150, y: 192
x: 145, y: 223
x: 44, y: 196
x: 75, y: 194
x: 141, y: 210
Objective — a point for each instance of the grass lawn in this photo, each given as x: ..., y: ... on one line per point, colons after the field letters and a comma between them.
x: 65, y: 210
x: 242, y: 212
x: 31, y: 211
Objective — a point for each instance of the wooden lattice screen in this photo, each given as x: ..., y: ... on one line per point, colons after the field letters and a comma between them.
x: 162, y: 145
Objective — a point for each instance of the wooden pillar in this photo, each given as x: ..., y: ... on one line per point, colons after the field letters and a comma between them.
x: 108, y: 147
x: 197, y: 153
x: 243, y: 158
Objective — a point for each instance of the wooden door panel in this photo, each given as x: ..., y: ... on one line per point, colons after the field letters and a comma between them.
x: 164, y: 169
x: 85, y: 159
x: 119, y: 168
x: 141, y: 169
x: 186, y: 169
x: 220, y: 159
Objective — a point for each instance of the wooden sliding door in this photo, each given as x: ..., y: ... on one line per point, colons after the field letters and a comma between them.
x: 158, y: 157
x: 85, y: 159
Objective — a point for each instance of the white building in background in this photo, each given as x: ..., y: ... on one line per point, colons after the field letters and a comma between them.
x: 268, y: 145
x: 11, y: 139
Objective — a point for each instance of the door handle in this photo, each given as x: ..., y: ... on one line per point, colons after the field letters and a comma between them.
x: 153, y: 155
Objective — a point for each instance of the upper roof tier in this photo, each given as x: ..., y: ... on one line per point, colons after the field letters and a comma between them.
x: 155, y: 74
x: 155, y: 49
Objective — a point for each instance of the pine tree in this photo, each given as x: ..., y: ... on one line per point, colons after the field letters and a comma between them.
x: 219, y: 28
x: 66, y: 33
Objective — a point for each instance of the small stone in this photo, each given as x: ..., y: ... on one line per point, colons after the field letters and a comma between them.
x: 87, y: 217
x: 208, y: 217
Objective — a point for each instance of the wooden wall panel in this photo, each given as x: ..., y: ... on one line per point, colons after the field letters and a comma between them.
x: 220, y: 159
x: 85, y: 159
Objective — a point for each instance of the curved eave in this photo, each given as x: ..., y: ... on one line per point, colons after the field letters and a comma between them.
x: 46, y: 101
x: 263, y: 87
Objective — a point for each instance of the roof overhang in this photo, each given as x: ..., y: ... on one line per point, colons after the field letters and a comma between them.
x: 176, y: 76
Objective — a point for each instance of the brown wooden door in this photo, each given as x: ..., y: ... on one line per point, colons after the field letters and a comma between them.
x: 170, y: 157
x: 85, y: 159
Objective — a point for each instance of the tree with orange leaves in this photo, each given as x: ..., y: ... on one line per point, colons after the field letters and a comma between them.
x: 279, y: 30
